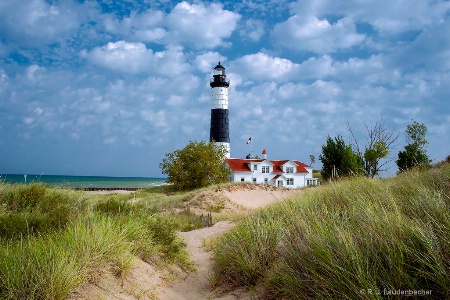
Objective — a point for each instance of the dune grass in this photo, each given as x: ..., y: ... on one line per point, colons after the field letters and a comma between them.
x: 359, y: 238
x: 53, y: 240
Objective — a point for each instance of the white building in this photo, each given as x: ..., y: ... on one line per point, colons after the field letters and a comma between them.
x: 280, y: 173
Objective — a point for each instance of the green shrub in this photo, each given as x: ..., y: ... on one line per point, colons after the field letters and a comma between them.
x: 113, y: 206
x: 36, y: 208
x: 243, y: 255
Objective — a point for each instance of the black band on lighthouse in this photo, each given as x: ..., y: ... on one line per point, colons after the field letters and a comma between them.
x: 219, y: 131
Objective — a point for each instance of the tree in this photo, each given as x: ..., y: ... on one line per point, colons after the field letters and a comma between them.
x: 415, y: 153
x: 338, y: 159
x: 198, y: 164
x: 312, y: 159
x: 380, y: 140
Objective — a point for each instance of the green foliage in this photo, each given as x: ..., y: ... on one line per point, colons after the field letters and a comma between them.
x: 199, y: 164
x: 36, y: 208
x: 242, y: 256
x: 379, y: 142
x: 345, y: 239
x: 338, y: 159
x: 372, y: 156
x: 415, y: 134
x: 414, y: 154
x: 76, y: 242
x: 114, y: 206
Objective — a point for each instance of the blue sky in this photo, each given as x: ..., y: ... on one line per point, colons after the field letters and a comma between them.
x: 108, y: 87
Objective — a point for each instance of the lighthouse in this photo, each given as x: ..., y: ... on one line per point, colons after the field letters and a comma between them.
x: 219, y: 131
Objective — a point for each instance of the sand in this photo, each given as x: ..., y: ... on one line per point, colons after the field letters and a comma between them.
x: 146, y: 282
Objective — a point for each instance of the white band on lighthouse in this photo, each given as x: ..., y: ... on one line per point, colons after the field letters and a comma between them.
x: 219, y: 97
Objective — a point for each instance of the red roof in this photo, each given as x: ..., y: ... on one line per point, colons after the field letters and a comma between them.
x: 240, y: 165
x: 301, y: 167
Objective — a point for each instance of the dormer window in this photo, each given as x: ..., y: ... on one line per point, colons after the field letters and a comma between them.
x: 289, y: 169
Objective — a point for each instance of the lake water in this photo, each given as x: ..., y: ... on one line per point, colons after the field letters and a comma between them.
x: 65, y: 181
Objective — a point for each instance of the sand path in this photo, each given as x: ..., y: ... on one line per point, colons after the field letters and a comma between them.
x: 147, y: 282
x: 196, y: 285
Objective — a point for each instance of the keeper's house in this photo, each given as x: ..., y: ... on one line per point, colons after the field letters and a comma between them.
x: 280, y: 173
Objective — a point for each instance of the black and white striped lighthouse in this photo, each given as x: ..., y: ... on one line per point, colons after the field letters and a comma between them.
x: 220, y: 132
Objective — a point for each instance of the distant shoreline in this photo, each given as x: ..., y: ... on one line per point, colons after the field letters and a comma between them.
x: 85, y: 182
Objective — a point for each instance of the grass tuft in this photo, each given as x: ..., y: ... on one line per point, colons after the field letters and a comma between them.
x: 346, y: 238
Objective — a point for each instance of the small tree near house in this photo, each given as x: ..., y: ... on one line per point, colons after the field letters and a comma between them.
x: 414, y: 154
x: 199, y: 164
x: 380, y: 141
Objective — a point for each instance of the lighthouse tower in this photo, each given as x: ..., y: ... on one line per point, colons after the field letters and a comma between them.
x: 219, y: 131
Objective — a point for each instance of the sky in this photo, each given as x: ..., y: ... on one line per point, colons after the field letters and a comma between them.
x: 107, y: 88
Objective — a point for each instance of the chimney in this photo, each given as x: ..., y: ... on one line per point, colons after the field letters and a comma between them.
x: 264, y: 154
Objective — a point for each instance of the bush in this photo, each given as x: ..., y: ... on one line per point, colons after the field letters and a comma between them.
x: 36, y: 208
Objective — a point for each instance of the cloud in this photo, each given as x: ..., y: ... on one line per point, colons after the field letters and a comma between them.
x: 200, y: 25
x: 317, y: 35
x: 135, y: 58
x: 37, y: 22
x: 252, y: 30
x: 429, y: 50
x: 261, y: 66
x: 385, y: 16
x: 205, y: 62
x: 146, y: 26
x: 122, y: 56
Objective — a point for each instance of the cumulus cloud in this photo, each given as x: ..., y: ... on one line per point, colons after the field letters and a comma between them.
x: 385, y: 16
x: 38, y: 22
x: 430, y: 49
x: 253, y: 30
x: 263, y: 66
x: 121, y: 55
x: 200, y: 25
x: 136, y: 58
x: 317, y: 35
x: 146, y: 26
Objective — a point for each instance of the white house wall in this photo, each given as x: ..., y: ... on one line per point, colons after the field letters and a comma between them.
x: 300, y: 179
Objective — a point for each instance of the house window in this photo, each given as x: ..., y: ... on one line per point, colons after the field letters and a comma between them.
x: 266, y: 181
x: 255, y: 167
x: 290, y: 181
x: 311, y: 182
x: 289, y: 169
x: 254, y: 180
x: 242, y: 179
x: 265, y: 169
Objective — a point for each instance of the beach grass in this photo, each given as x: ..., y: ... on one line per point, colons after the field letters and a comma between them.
x: 54, y: 240
x: 358, y: 238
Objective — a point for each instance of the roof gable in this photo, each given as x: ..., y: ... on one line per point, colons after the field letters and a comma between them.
x: 238, y: 165
x: 301, y: 167
x: 242, y: 165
